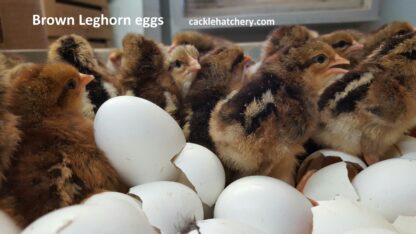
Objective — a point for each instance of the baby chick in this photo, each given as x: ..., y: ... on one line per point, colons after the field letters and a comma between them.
x: 286, y: 36
x: 221, y: 70
x: 57, y: 163
x: 368, y: 109
x: 261, y: 128
x: 202, y: 41
x: 184, y: 66
x: 114, y: 60
x: 145, y: 73
x: 345, y: 44
x: 75, y: 50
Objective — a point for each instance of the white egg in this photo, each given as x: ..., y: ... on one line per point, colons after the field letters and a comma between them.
x: 329, y: 182
x: 219, y: 226
x: 342, y: 215
x: 406, y: 144
x: 204, y: 170
x: 371, y: 231
x: 139, y: 138
x: 170, y: 206
x: 344, y: 156
x: 7, y: 225
x: 405, y: 224
x: 411, y: 156
x: 388, y: 187
x: 104, y: 214
x: 265, y: 203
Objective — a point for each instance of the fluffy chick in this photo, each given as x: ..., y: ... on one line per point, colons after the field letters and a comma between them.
x: 75, y: 50
x: 286, y: 36
x: 367, y: 110
x: 262, y: 127
x: 203, y: 42
x: 345, y: 44
x: 221, y: 70
x: 184, y: 66
x: 57, y: 163
x: 145, y: 73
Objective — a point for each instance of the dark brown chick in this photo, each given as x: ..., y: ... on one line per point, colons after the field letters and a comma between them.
x: 345, y: 44
x: 260, y: 129
x: 57, y: 163
x: 203, y: 42
x: 184, y: 66
x: 367, y: 110
x: 221, y: 70
x: 77, y: 51
x: 286, y: 36
x: 145, y: 73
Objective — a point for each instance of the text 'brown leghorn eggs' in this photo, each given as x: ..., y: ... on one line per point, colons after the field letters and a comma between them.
x: 139, y: 138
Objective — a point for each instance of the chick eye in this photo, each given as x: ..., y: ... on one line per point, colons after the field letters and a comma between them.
x: 178, y: 64
x: 402, y: 32
x: 72, y: 84
x: 340, y: 44
x: 410, y: 54
x: 320, y: 59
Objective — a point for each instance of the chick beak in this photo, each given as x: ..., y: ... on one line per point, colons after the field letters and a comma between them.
x: 194, y: 65
x: 113, y: 58
x: 313, y: 33
x: 335, y: 70
x: 356, y: 46
x: 247, y: 60
x: 86, y: 79
x: 171, y: 47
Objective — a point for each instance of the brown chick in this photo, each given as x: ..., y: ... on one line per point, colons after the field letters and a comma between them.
x: 203, y: 42
x: 9, y: 61
x: 184, y: 66
x: 57, y: 163
x: 345, y: 44
x: 286, y: 36
x: 145, y: 73
x: 221, y: 70
x: 114, y: 60
x: 261, y: 128
x: 367, y: 110
x: 75, y: 50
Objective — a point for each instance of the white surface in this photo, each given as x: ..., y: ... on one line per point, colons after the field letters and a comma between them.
x: 267, y: 204
x: 342, y: 215
x: 7, y: 225
x: 329, y: 182
x: 388, y: 187
x: 170, y: 206
x: 223, y: 226
x: 204, y: 170
x: 139, y: 138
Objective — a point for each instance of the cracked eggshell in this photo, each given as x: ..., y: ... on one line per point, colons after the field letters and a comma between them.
x: 329, y: 182
x: 7, y: 225
x: 405, y: 224
x: 170, y: 206
x: 204, y: 171
x: 139, y: 138
x: 104, y: 213
x: 342, y: 215
x: 344, y: 156
x: 410, y: 156
x: 265, y: 203
x: 216, y: 226
x: 388, y: 187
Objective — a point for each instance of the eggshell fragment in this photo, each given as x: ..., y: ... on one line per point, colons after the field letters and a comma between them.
x: 342, y: 215
x: 405, y: 224
x: 170, y: 206
x: 139, y: 138
x: 204, y: 170
x: 329, y: 182
x: 388, y: 187
x: 344, y: 156
x: 103, y: 214
x: 265, y: 203
x: 7, y: 225
x: 216, y: 226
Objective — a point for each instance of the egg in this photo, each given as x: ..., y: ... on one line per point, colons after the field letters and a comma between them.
x: 405, y: 224
x: 8, y: 226
x: 204, y: 171
x: 371, y: 231
x: 267, y: 204
x: 411, y: 156
x: 170, y: 206
x: 342, y: 215
x: 217, y: 226
x: 139, y: 138
x: 405, y: 145
x: 104, y: 214
x: 329, y: 182
x: 388, y: 187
